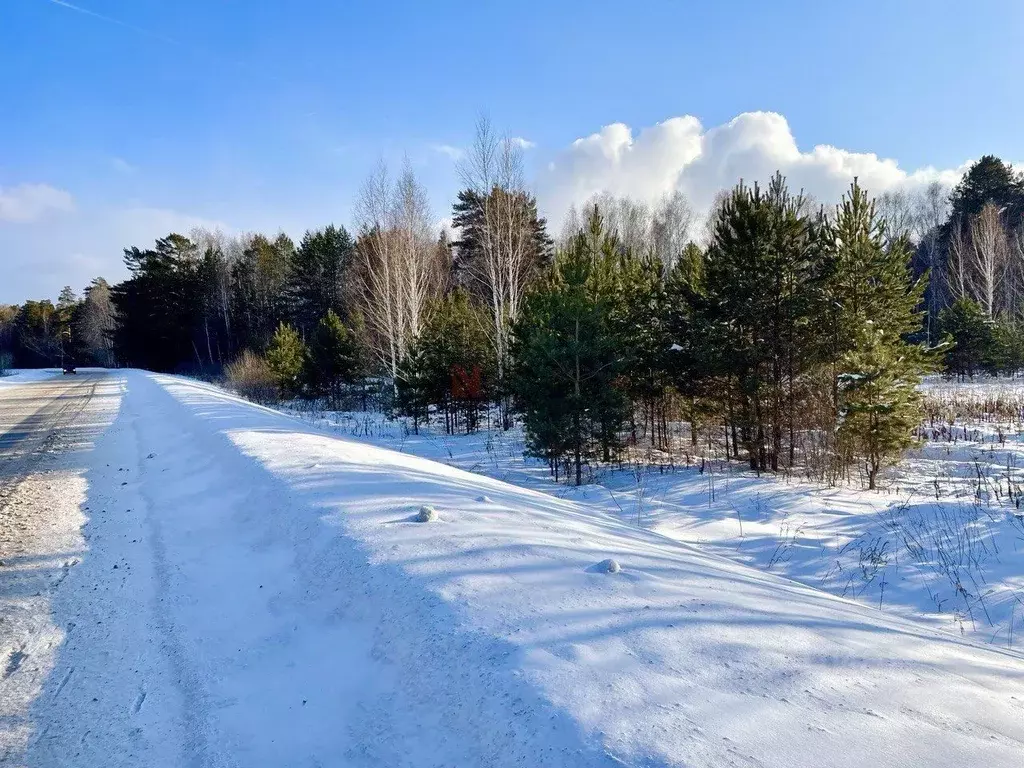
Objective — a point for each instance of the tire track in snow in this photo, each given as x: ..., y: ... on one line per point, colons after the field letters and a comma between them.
x: 195, y: 749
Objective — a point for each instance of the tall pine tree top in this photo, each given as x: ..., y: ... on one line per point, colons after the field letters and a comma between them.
x: 989, y: 180
x: 872, y: 279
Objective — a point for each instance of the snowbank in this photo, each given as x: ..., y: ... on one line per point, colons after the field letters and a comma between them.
x: 331, y: 628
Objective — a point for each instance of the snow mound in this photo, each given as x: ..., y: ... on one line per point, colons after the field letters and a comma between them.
x: 607, y: 566
x: 484, y: 499
x: 427, y: 514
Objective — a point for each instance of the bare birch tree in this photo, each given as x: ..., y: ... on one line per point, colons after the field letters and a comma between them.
x: 672, y: 227
x: 958, y: 262
x: 930, y: 211
x: 571, y: 225
x: 989, y: 258
x: 663, y: 230
x: 896, y: 207
x: 399, y: 258
x: 506, y: 240
x: 1015, y: 297
x: 979, y: 262
x: 629, y: 220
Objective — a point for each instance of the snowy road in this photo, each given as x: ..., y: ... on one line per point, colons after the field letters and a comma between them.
x: 32, y: 413
x: 191, y: 580
x: 44, y: 418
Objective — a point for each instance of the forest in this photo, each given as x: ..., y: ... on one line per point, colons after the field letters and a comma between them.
x: 793, y: 333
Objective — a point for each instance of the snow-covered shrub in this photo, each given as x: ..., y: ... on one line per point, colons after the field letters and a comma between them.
x: 609, y: 566
x: 250, y: 376
x: 427, y: 514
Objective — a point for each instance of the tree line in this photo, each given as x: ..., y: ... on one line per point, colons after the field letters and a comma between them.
x: 790, y: 335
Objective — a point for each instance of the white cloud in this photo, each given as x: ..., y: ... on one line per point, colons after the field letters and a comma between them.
x: 122, y: 166
x: 680, y: 153
x: 141, y: 225
x: 452, y: 153
x: 30, y: 202
x: 522, y: 143
x: 36, y: 260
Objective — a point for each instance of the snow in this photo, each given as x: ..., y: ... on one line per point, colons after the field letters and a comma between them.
x: 253, y: 592
x: 932, y: 546
x: 26, y: 375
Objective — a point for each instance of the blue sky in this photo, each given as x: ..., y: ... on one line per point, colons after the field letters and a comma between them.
x: 262, y: 114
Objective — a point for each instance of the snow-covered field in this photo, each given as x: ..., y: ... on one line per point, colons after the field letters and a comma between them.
x: 944, y: 542
x: 255, y: 591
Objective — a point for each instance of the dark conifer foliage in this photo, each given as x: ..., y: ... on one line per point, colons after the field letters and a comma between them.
x: 569, y: 357
x: 989, y: 180
x: 469, y: 218
x: 316, y: 282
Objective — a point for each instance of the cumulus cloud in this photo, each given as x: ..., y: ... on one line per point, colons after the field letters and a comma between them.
x: 30, y: 202
x: 681, y: 154
x: 522, y: 143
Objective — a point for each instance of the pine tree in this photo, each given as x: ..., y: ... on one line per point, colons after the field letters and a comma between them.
x: 989, y: 180
x: 332, y: 361
x: 457, y: 361
x: 869, y: 280
x: 158, y: 308
x: 970, y: 334
x: 639, y: 322
x: 413, y: 386
x: 759, y: 292
x: 876, y: 307
x: 568, y: 358
x: 287, y: 356
x: 317, y: 280
x: 879, y: 399
x: 258, y: 299
x: 1006, y: 354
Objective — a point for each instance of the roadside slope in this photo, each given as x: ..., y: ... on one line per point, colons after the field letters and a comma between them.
x: 303, y: 618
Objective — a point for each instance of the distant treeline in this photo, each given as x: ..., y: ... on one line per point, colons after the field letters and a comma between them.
x: 791, y: 334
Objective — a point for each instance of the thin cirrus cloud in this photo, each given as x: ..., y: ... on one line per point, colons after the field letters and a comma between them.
x: 458, y: 153
x: 35, y: 261
x: 452, y: 153
x: 681, y: 154
x: 122, y: 166
x: 26, y: 203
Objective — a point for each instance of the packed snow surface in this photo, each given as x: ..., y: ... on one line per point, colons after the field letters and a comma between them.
x: 256, y: 592
x: 26, y: 375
